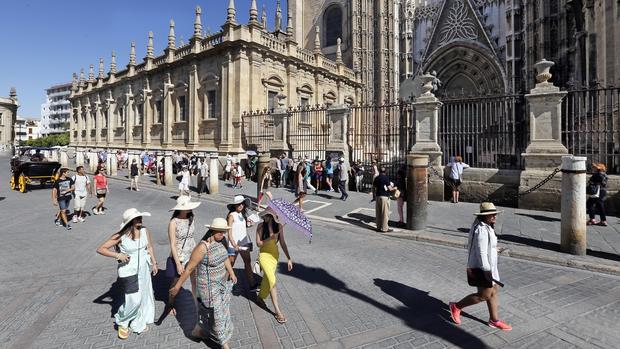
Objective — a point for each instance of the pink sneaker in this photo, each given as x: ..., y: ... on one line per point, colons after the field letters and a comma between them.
x: 455, y: 313
x: 500, y: 324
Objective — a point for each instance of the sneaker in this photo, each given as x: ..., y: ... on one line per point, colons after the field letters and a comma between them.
x: 80, y: 219
x: 57, y: 222
x: 455, y: 313
x: 500, y: 325
x: 101, y: 211
x: 75, y: 219
x: 95, y: 211
x: 68, y: 227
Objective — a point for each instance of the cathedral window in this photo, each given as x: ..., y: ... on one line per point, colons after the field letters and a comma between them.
x: 210, y: 105
x: 157, y: 117
x: 139, y: 113
x: 271, y: 100
x: 182, y: 109
x: 333, y: 25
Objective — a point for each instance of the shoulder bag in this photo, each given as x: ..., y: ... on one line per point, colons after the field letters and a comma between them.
x: 171, y: 266
x: 129, y: 284
x: 206, y: 315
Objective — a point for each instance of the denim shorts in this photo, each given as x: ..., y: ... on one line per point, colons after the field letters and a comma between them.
x: 63, y: 203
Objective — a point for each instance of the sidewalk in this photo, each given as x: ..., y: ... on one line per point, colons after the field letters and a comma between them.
x: 528, y: 234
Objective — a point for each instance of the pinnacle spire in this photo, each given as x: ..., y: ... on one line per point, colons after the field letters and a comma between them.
x: 171, y: 37
x: 263, y: 19
x: 253, y: 13
x: 91, y: 73
x: 100, y: 75
x: 74, y: 82
x: 149, y: 46
x: 198, y: 23
x: 113, y: 63
x: 81, y: 83
x: 339, y: 51
x: 231, y: 12
x: 289, y: 22
x: 132, y: 54
x: 13, y: 93
x: 317, y: 39
x: 278, y: 17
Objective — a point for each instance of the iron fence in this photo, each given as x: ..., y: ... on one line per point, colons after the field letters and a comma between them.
x: 308, y: 131
x: 487, y: 132
x: 591, y: 125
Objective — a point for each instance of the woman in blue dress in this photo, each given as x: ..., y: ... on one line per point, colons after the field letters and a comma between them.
x: 136, y: 264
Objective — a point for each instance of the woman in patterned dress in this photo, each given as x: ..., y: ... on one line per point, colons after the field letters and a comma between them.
x: 214, y: 289
x: 182, y: 243
x: 268, y: 234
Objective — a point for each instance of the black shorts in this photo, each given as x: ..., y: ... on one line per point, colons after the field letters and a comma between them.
x: 99, y: 196
x: 456, y: 183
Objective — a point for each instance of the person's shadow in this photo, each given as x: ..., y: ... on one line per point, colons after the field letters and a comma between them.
x: 420, y: 311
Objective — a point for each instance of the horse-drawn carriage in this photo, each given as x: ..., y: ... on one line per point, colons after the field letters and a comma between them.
x: 27, y: 168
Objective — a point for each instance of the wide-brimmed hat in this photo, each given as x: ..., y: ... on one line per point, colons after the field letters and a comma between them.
x: 130, y: 214
x: 270, y: 211
x: 239, y: 199
x: 218, y: 224
x: 487, y: 208
x: 599, y: 166
x: 184, y: 203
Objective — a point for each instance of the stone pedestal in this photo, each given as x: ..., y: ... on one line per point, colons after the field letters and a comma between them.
x: 214, y: 166
x: 417, y: 191
x: 113, y: 164
x: 545, y: 150
x: 64, y: 159
x: 337, y: 146
x: 108, y: 163
x: 427, y: 122
x: 573, y: 225
x: 79, y: 157
x: 280, y: 129
x: 93, y: 161
x: 168, y: 178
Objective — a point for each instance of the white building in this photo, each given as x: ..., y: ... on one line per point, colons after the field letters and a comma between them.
x: 56, y: 110
x: 26, y: 129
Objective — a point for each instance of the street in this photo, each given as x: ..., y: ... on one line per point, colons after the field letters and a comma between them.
x: 350, y: 288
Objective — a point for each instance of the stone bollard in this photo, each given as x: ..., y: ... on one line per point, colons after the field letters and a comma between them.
x: 168, y: 170
x: 79, y: 158
x: 417, y: 191
x: 94, y: 161
x: 214, y: 166
x: 157, y: 167
x: 108, y: 163
x: 263, y: 161
x: 113, y: 165
x: 573, y: 225
x: 64, y: 159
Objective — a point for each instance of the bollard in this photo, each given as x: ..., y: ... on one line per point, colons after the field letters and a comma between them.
x: 214, y: 166
x: 108, y: 163
x: 64, y: 159
x: 263, y: 161
x: 417, y: 191
x: 113, y: 164
x: 79, y: 158
x: 573, y: 225
x: 168, y: 170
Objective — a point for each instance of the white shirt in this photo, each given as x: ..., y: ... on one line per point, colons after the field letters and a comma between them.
x: 80, y: 185
x: 456, y: 169
x: 483, y: 248
x: 204, y: 169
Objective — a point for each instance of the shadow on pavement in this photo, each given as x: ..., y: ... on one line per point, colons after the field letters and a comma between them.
x: 2, y: 198
x: 552, y: 246
x: 114, y: 297
x: 363, y: 220
x: 420, y: 312
x: 539, y: 217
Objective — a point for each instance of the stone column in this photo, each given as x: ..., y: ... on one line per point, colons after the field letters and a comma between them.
x: 573, y: 225
x: 79, y: 157
x: 417, y: 191
x: 545, y: 150
x: 108, y: 163
x: 129, y: 117
x: 426, y: 121
x: 338, y: 119
x: 168, y: 113
x: 214, y: 167
x: 89, y: 123
x: 147, y: 118
x: 98, y: 123
x: 93, y: 159
x: 193, y: 118
x: 113, y: 163
x: 168, y: 169
x: 64, y: 159
x: 280, y: 133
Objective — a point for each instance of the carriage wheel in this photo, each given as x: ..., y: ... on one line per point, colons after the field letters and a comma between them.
x: 22, y: 183
x: 12, y: 182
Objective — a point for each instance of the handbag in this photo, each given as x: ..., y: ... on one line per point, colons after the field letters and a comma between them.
x: 206, y: 315
x: 256, y: 269
x: 395, y: 194
x: 129, y: 284
x: 593, y: 190
x: 171, y: 265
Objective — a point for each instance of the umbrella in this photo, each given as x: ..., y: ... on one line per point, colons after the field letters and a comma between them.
x: 291, y: 215
x: 250, y: 153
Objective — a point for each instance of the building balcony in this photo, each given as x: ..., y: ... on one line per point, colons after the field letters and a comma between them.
x: 59, y: 94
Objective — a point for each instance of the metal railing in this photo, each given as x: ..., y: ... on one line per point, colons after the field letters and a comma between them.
x: 487, y: 132
x: 591, y: 125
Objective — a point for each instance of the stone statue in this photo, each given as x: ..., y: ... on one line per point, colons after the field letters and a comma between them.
x: 436, y: 82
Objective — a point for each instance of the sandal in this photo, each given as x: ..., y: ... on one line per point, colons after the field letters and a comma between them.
x: 591, y: 222
x: 280, y: 318
x: 123, y: 332
x: 602, y: 223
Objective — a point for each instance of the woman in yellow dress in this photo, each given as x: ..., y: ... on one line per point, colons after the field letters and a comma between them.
x: 268, y: 234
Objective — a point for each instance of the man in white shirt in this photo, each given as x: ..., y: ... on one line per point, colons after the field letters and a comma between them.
x: 82, y: 188
x: 203, y: 175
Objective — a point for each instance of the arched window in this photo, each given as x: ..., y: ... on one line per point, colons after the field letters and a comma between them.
x: 333, y: 25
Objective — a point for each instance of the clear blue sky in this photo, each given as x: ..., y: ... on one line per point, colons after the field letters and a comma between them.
x: 44, y: 42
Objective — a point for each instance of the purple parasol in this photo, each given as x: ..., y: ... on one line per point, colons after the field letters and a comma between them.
x: 291, y: 215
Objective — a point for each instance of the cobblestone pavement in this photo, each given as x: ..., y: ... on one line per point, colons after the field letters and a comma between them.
x: 350, y: 288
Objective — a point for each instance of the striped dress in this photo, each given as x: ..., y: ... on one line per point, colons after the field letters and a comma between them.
x: 214, y: 289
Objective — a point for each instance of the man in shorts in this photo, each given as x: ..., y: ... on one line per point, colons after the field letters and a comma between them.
x: 61, y: 196
x: 82, y: 188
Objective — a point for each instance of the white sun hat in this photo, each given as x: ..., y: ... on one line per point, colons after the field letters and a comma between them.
x: 184, y: 203
x: 218, y: 224
x: 130, y: 214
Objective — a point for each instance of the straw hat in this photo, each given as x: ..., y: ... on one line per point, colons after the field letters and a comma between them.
x: 487, y: 208
x: 184, y: 203
x: 218, y: 224
x: 130, y: 214
x: 270, y: 211
x: 239, y: 199
x: 600, y: 166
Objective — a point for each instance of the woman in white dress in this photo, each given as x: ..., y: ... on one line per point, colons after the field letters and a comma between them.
x: 136, y: 264
x: 184, y: 184
x: 239, y: 241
